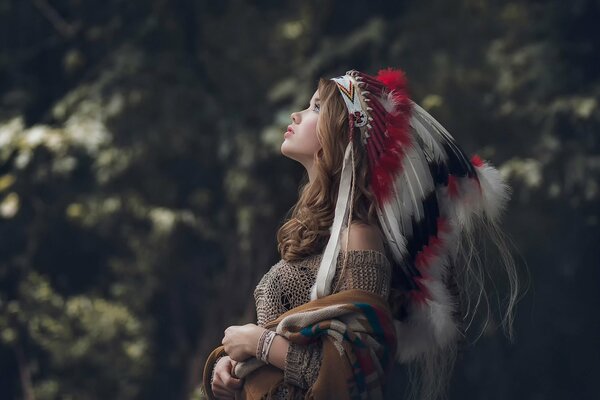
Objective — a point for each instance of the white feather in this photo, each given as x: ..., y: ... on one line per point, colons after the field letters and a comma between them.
x: 429, y: 139
x: 441, y: 307
x: 467, y: 204
x: 391, y: 222
x: 414, y: 337
x: 397, y: 244
x: 430, y: 326
x: 495, y: 192
x: 429, y: 120
x: 388, y: 102
x: 402, y: 207
x: 421, y: 170
x: 412, y: 184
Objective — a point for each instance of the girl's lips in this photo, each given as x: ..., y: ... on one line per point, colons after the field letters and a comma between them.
x: 289, y: 132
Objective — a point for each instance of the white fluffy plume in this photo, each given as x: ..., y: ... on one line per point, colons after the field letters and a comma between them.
x: 495, y: 193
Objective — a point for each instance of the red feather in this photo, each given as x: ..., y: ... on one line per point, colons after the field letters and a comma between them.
x: 476, y: 161
x: 394, y: 79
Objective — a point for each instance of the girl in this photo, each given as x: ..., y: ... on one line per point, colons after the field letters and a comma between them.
x: 376, y: 260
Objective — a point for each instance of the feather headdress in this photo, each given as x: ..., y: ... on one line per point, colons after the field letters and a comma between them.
x: 427, y: 192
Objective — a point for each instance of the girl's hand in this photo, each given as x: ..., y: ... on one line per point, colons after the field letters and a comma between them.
x: 240, y: 341
x: 224, y: 385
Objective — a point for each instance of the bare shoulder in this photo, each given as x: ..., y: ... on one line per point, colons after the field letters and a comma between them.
x: 362, y: 237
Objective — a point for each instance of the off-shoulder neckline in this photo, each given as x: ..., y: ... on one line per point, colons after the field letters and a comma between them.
x: 377, y: 252
x: 360, y: 251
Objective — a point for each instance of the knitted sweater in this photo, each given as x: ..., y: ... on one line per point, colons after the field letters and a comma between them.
x: 287, y: 285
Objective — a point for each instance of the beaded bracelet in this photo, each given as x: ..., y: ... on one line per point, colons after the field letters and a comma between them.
x: 260, y: 343
x: 264, y: 345
x: 267, y: 346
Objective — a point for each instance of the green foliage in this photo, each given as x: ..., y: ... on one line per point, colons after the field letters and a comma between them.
x: 80, y: 337
x: 140, y: 172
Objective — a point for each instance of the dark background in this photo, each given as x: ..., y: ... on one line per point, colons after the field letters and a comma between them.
x: 141, y: 184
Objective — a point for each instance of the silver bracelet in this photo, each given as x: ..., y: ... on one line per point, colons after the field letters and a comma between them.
x: 259, y: 344
x: 267, y: 346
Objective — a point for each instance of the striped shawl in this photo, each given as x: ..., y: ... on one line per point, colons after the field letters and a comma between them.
x: 359, y: 347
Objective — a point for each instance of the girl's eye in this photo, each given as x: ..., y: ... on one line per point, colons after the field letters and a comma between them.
x: 317, y: 108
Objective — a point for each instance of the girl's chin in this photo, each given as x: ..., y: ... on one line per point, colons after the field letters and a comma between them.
x: 286, y: 152
x: 287, y: 146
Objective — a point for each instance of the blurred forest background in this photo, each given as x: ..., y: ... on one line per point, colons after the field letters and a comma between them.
x: 141, y: 184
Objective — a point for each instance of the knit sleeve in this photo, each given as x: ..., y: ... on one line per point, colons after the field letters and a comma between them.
x: 365, y: 269
x: 302, y: 364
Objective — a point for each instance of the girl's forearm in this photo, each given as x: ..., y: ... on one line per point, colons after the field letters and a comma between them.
x: 278, y: 351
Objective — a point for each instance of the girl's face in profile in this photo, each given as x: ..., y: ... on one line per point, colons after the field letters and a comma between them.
x: 300, y: 141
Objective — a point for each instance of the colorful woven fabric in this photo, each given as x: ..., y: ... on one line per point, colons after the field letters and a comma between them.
x: 362, y: 333
x: 359, y: 345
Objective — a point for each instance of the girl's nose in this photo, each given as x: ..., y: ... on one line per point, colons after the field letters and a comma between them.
x: 295, y: 118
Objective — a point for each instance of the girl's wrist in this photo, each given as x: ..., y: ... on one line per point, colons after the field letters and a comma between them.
x: 253, y: 340
x: 264, y: 345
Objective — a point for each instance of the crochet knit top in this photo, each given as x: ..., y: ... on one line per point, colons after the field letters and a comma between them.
x: 287, y: 285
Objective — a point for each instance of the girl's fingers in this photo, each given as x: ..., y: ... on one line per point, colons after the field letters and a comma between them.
x: 224, y: 385
x: 233, y: 364
x: 219, y: 387
x: 232, y: 383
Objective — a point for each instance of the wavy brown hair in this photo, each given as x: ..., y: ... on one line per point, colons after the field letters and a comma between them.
x: 306, y: 232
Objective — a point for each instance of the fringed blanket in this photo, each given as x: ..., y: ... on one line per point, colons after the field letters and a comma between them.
x: 359, y: 347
